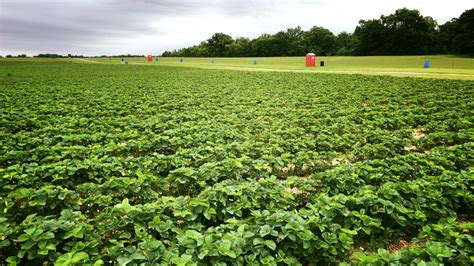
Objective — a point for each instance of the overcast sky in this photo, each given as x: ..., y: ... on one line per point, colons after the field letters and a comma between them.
x: 152, y: 26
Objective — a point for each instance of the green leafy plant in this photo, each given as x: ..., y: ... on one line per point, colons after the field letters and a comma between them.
x: 101, y: 164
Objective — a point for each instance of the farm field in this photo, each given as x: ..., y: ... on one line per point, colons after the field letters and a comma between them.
x: 440, y: 66
x: 138, y: 165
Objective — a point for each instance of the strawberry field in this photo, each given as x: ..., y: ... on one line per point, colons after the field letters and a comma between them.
x: 144, y: 165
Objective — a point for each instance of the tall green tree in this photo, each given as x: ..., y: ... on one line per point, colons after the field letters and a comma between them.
x: 406, y: 32
x: 295, y: 45
x: 240, y: 47
x: 320, y: 41
x: 370, y: 36
x: 409, y: 33
x: 217, y: 44
x: 266, y: 45
x: 346, y: 44
x: 463, y: 42
x: 447, y: 32
x: 457, y: 35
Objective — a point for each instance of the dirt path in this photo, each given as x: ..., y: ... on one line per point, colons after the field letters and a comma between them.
x: 347, y: 71
x: 88, y: 61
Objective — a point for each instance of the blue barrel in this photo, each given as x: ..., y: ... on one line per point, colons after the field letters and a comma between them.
x: 255, y: 61
x: 212, y: 61
x: 157, y: 59
x: 181, y: 60
x: 125, y: 62
x: 427, y: 64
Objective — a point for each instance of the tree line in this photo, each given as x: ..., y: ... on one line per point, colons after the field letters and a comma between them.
x: 405, y: 32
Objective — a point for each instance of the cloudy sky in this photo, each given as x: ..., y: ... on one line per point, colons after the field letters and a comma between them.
x: 152, y: 26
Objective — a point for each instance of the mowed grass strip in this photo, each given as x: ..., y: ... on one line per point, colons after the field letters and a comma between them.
x: 441, y: 66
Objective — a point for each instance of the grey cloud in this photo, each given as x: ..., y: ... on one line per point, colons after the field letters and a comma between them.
x: 67, y: 25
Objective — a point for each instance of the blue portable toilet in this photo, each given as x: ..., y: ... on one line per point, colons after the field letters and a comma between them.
x: 255, y: 61
x: 427, y: 64
x: 181, y: 60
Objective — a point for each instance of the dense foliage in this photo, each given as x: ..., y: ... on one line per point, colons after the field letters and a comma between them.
x: 457, y: 35
x: 143, y: 165
x: 406, y: 32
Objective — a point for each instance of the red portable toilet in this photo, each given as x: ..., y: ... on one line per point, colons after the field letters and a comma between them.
x: 310, y: 60
x: 149, y: 58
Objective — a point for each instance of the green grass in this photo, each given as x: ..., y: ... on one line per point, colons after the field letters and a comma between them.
x: 441, y: 66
